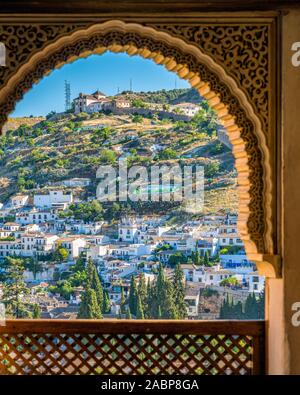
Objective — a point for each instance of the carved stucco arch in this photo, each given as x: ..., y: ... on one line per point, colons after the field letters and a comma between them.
x: 234, y: 110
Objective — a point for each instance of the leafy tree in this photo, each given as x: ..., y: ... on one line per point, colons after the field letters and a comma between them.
x: 60, y: 254
x: 79, y: 265
x: 137, y: 118
x: 139, y: 103
x: 229, y: 281
x: 108, y: 157
x: 211, y: 169
x: 78, y: 278
x: 167, y: 153
x: 63, y: 288
x: 88, y: 211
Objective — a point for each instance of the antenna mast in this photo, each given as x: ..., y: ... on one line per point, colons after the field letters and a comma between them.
x: 67, y: 95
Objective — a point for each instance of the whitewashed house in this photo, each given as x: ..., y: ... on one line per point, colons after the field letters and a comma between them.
x: 35, y: 216
x: 11, y: 227
x: 18, y: 201
x: 45, y: 243
x: 127, y: 231
x: 72, y: 244
x: 192, y: 299
x: 189, y: 109
x: 53, y: 199
x: 207, y: 245
x: 82, y: 102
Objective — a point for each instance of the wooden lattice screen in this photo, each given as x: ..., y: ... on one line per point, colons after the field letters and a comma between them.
x: 131, y: 347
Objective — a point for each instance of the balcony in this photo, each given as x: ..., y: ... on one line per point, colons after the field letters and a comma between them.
x: 56, y: 347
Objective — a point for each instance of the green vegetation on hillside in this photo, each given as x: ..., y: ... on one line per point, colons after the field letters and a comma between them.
x: 33, y: 157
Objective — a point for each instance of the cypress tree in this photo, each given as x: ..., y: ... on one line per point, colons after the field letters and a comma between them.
x: 128, y: 314
x: 142, y: 291
x: 179, y: 292
x: 139, y: 309
x: 122, y: 302
x: 206, y: 259
x: 94, y: 283
x: 159, y: 315
x: 151, y: 303
x: 169, y: 309
x: 222, y: 314
x: 196, y: 258
x: 238, y: 311
x: 160, y: 290
x: 36, y: 311
x: 106, y: 303
x: 251, y: 307
x: 89, y: 307
x: 261, y: 306
x: 133, y: 296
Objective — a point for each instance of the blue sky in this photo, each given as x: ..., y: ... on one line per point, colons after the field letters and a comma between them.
x: 106, y: 72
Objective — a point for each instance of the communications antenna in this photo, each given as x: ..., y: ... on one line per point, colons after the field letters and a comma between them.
x: 67, y: 95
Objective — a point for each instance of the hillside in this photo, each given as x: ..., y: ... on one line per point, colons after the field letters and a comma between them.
x: 33, y: 157
x: 14, y: 123
x: 163, y: 96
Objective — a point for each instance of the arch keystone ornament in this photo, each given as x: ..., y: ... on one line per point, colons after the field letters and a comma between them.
x: 234, y: 109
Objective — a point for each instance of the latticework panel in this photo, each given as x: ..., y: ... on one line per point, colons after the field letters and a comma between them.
x: 143, y: 353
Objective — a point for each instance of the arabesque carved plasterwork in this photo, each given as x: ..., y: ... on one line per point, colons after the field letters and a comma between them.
x: 243, y: 50
x: 24, y: 41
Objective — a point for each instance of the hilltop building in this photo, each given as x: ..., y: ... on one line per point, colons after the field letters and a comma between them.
x: 83, y: 101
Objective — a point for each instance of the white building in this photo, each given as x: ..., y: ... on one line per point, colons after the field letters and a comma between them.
x: 36, y: 216
x: 127, y: 231
x: 228, y: 236
x: 11, y: 227
x: 82, y: 102
x: 235, y: 261
x: 256, y: 283
x: 18, y: 201
x: 83, y: 228
x: 96, y: 251
x: 72, y: 244
x: 54, y: 199
x: 45, y: 243
x: 189, y: 109
x: 28, y: 245
x: 207, y: 245
x: 125, y: 251
x: 192, y: 298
